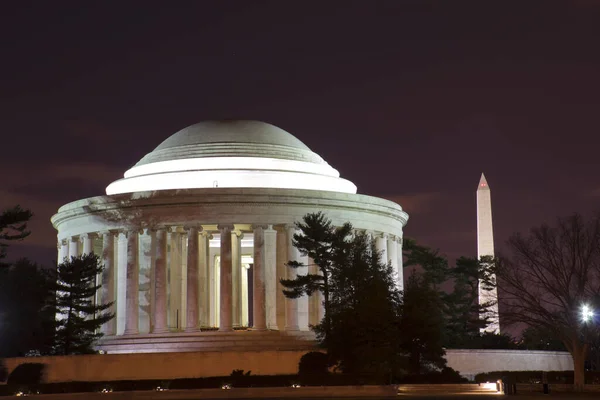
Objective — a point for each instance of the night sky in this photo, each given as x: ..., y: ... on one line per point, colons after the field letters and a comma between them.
x: 410, y: 100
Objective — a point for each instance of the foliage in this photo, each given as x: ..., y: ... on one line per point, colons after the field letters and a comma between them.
x: 422, y: 326
x: 321, y: 242
x: 538, y: 338
x: 26, y: 320
x: 239, y: 372
x: 466, y: 317
x: 460, y: 308
x: 361, y: 299
x: 551, y: 273
x: 78, y: 317
x: 444, y: 376
x: 3, y: 371
x: 364, y: 309
x: 314, y: 363
x: 13, y: 226
x: 27, y: 374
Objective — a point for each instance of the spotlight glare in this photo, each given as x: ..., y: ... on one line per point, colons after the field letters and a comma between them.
x: 586, y: 313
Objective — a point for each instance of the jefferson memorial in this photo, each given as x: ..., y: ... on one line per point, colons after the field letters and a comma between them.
x: 195, y: 237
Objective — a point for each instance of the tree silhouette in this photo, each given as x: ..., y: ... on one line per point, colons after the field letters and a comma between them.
x: 13, y: 226
x: 78, y: 318
x: 550, y: 275
x: 323, y: 243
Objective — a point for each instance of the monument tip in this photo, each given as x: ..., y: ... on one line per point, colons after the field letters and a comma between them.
x: 483, y: 185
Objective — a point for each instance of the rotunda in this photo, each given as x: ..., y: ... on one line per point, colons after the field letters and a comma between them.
x: 195, y: 237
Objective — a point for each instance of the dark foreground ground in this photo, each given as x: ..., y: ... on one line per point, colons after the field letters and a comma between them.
x: 406, y: 392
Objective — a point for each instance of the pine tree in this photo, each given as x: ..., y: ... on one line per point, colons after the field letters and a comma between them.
x: 364, y: 310
x: 13, y: 226
x: 463, y: 315
x: 323, y: 243
x: 78, y: 317
x: 422, y: 325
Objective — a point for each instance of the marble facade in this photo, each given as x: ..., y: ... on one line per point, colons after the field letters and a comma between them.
x: 182, y: 263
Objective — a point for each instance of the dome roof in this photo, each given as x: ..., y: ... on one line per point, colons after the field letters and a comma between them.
x: 231, y: 138
x: 231, y: 154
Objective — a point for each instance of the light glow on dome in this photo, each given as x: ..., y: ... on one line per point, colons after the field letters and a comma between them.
x: 231, y: 154
x: 230, y: 179
x: 226, y: 163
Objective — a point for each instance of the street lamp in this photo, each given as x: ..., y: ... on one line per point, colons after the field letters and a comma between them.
x: 586, y: 313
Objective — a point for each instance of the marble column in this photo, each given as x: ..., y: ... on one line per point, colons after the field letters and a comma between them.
x: 381, y: 246
x: 225, y: 321
x: 87, y: 239
x: 88, y: 242
x: 303, y: 303
x: 313, y: 300
x: 192, y: 278
x: 121, y: 281
x: 392, y: 258
x: 64, y: 251
x: 291, y: 312
x: 107, y: 291
x: 204, y: 305
x: 73, y: 247
x: 160, y: 282
x: 236, y: 278
x: 145, y: 294
x: 400, y: 263
x: 132, y: 285
x: 174, y: 274
x: 259, y: 300
x: 281, y: 270
x: 270, y: 274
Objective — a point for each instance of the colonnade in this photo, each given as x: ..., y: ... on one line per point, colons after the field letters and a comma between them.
x: 189, y: 278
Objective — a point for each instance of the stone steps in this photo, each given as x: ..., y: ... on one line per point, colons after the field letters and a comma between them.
x: 472, y: 388
x: 209, y: 341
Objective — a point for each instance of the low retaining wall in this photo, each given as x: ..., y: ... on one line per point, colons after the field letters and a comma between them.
x: 553, y: 387
x: 107, y: 367
x: 470, y: 362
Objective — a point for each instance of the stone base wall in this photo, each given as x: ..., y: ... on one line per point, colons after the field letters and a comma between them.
x: 107, y: 367
x: 470, y: 362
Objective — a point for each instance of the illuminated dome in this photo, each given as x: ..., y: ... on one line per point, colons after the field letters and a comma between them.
x: 231, y: 154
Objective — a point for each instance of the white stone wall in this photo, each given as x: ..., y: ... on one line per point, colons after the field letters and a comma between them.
x: 470, y: 362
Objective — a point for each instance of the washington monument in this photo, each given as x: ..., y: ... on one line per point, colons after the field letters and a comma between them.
x: 485, y: 247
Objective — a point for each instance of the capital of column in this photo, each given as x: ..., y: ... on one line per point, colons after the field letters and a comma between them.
x: 74, y: 238
x: 225, y: 227
x: 239, y: 234
x: 369, y: 233
x: 154, y: 229
x: 130, y: 231
x: 207, y: 235
x: 89, y: 235
x: 380, y: 235
x: 63, y: 242
x: 190, y: 227
x: 260, y: 226
x: 108, y: 232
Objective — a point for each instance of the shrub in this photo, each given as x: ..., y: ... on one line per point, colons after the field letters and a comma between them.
x: 3, y: 372
x: 313, y: 363
x: 27, y: 374
x: 446, y: 375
